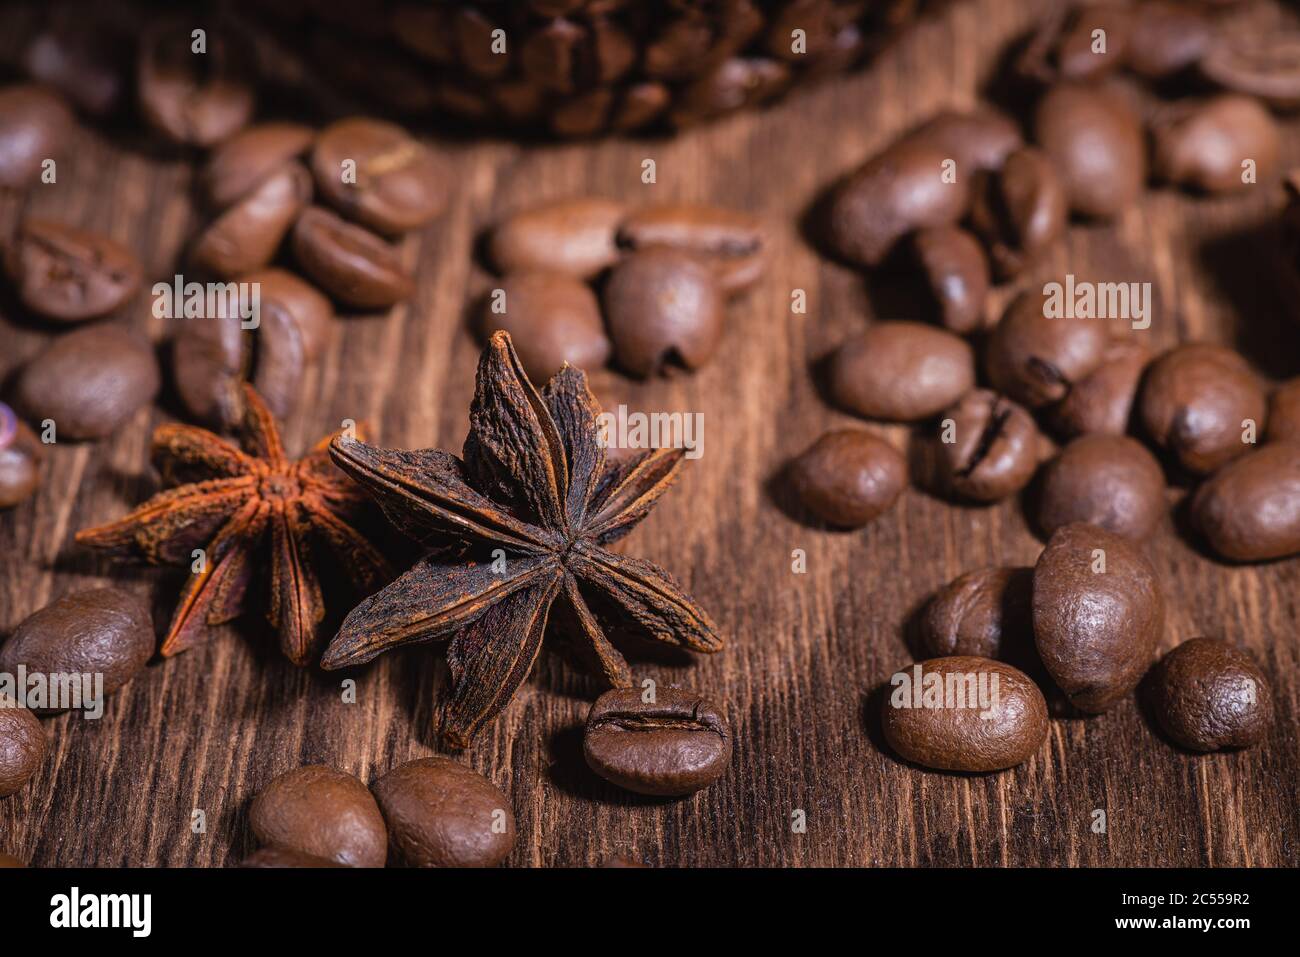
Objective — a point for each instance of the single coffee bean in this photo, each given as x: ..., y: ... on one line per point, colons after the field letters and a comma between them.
x: 1204, y: 145
x: 986, y: 613
x: 22, y: 747
x: 1096, y: 145
x: 1249, y: 510
x: 376, y: 173
x: 1167, y: 37
x: 8, y: 860
x: 20, y: 459
x: 575, y: 236
x: 1078, y: 54
x: 848, y: 477
x: 1284, y: 412
x: 979, y: 139
x: 1102, y: 401
x: 89, y: 382
x: 82, y: 59
x: 67, y: 274
x: 663, y: 304
x: 673, y: 746
x: 903, y: 189
x: 1259, y: 63
x: 1019, y: 210
x: 94, y: 631
x: 349, y: 262
x: 988, y: 447
x: 957, y: 272
x: 901, y: 371
x: 1110, y: 481
x: 249, y: 158
x: 1209, y: 695
x: 319, y: 811
x: 246, y: 235
x: 1201, y: 402
x: 732, y: 243
x: 1036, y: 360
x: 443, y: 814
x: 35, y: 125
x: 1099, y: 614
x: 552, y: 319
x: 974, y: 714
x: 284, y: 857
x: 193, y: 98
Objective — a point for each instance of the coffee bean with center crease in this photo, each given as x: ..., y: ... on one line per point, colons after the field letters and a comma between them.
x: 376, y: 173
x: 1249, y: 510
x: 732, y: 243
x: 978, y: 139
x: 441, y: 813
x: 1259, y: 63
x: 988, y: 447
x: 22, y: 747
x: 1111, y: 481
x: 249, y: 158
x: 1198, y: 401
x: 574, y: 236
x: 69, y: 275
x: 957, y: 272
x: 1208, y: 695
x: 193, y: 98
x: 901, y: 371
x: 1096, y: 144
x: 1167, y: 36
x: 1204, y: 146
x: 1036, y: 360
x: 322, y: 812
x: 349, y: 262
x: 552, y: 319
x: 1103, y: 400
x: 20, y: 459
x: 35, y: 125
x: 247, y: 234
x: 848, y: 477
x: 1019, y: 210
x: 1284, y: 412
x: 671, y: 747
x: 89, y: 382
x: 987, y: 613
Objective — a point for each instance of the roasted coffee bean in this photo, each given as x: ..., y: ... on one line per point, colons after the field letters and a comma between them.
x: 987, y: 613
x: 193, y: 98
x: 349, y: 262
x: 1036, y: 360
x: 552, y: 319
x: 988, y: 447
x: 957, y: 272
x: 1204, y: 145
x: 673, y: 746
x: 67, y: 274
x: 574, y: 236
x: 249, y: 158
x: 1166, y: 37
x: 1201, y: 402
x: 94, y: 631
x: 1078, y: 53
x: 1019, y: 210
x: 1098, y: 614
x: 321, y: 812
x: 895, y: 193
x: 1284, y: 412
x: 848, y: 477
x: 20, y: 459
x: 901, y: 371
x: 1209, y: 695
x: 1107, y: 480
x: 1095, y: 143
x: 980, y: 139
x: 379, y: 175
x: 35, y: 125
x: 1260, y: 63
x: 283, y: 857
x: 247, y: 234
x: 22, y: 747
x: 82, y: 56
x: 89, y: 382
x: 1102, y: 401
x: 663, y: 304
x: 8, y: 860
x: 974, y: 714
x: 733, y: 244
x: 443, y: 814
x: 1250, y: 509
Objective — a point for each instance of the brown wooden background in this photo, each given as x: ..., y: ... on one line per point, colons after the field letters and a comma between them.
x: 210, y: 728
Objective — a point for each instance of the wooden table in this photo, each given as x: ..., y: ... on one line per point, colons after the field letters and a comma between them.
x: 807, y: 653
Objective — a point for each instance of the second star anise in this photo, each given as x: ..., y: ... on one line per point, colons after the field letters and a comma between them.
x: 532, y: 507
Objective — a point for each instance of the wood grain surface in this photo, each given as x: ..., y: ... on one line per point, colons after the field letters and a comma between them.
x: 807, y: 653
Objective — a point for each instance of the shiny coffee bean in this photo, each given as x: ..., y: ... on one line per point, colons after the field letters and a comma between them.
x: 1099, y: 614
x: 20, y: 459
x: 1284, y: 412
x: 319, y: 811
x: 193, y: 99
x: 1095, y: 143
x: 1036, y: 360
x: 249, y: 158
x: 552, y: 319
x: 575, y: 236
x: 1259, y: 63
x: 443, y: 814
x: 663, y: 305
x: 349, y: 262
x: 1019, y: 210
x: 1110, y: 481
x: 94, y: 631
x: 247, y: 234
x: 974, y: 715
x: 81, y: 56
x: 376, y: 173
x: 987, y: 613
x: 1167, y: 37
x: 283, y: 857
x: 67, y: 274
x: 1078, y: 55
x: 978, y: 139
x: 35, y: 125
x: 1102, y: 401
x: 1203, y: 146
x: 901, y: 371
x: 848, y: 477
x: 957, y: 272
x: 1200, y: 402
x: 22, y: 747
x: 1249, y: 509
x: 89, y: 382
x: 1209, y: 695
x: 671, y: 747
x: 734, y: 244
x: 988, y: 447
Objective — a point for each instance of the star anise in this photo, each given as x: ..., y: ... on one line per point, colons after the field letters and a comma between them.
x: 530, y: 508
x: 236, y: 505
